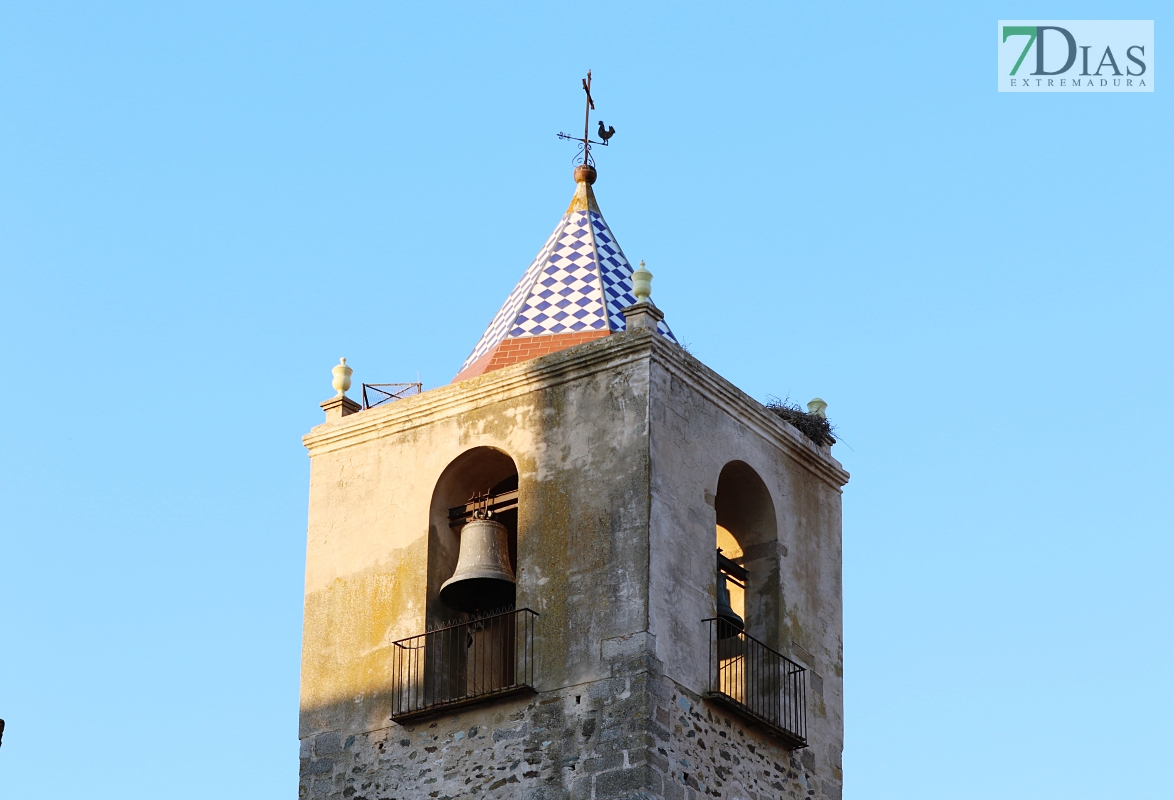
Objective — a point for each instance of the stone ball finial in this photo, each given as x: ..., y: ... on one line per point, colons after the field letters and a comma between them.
x: 818, y: 407
x: 585, y: 173
x: 342, y: 377
x: 642, y: 284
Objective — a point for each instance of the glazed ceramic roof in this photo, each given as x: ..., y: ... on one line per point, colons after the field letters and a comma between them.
x: 578, y: 283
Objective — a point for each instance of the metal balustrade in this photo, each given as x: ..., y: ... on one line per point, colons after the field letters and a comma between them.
x: 376, y: 394
x: 758, y: 682
x: 463, y: 663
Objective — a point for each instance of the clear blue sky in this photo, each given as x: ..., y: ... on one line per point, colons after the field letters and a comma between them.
x: 203, y: 206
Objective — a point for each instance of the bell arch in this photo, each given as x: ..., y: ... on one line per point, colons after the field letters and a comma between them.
x: 747, y: 534
x: 475, y: 472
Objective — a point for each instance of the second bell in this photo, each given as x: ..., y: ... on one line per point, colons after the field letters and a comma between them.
x: 730, y: 624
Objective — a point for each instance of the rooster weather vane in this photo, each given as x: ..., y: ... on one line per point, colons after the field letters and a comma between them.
x: 585, y: 141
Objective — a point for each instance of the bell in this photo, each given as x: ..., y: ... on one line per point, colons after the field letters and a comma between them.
x: 483, y: 579
x: 729, y: 624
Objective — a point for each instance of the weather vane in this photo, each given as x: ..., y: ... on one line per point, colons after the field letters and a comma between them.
x: 585, y: 141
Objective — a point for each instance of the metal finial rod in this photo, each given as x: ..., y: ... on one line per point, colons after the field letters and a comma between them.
x: 586, y: 141
x: 590, y: 107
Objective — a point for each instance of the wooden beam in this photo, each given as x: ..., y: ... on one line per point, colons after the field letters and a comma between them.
x: 499, y: 503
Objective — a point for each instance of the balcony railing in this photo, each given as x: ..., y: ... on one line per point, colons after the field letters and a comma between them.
x: 463, y: 663
x: 376, y: 394
x: 757, y: 682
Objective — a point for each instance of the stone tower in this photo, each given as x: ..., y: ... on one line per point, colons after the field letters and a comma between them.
x: 628, y: 657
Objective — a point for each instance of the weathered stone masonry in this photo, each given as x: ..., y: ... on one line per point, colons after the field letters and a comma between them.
x: 633, y: 736
x: 619, y: 444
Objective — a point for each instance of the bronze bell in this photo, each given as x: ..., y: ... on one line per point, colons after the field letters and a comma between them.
x: 484, y: 578
x: 729, y: 623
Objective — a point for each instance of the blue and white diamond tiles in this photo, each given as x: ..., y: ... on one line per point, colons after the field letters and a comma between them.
x: 566, y: 296
x: 579, y: 281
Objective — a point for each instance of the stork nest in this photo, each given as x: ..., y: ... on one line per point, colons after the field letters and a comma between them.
x: 813, y: 426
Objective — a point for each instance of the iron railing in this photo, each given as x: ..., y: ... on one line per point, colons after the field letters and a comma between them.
x: 757, y: 682
x: 463, y: 663
x: 376, y: 394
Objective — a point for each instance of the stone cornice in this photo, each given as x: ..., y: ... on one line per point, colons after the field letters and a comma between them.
x: 503, y: 384
x: 749, y: 412
x: 611, y: 352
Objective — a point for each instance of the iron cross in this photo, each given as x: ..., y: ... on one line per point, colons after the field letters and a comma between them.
x: 590, y: 106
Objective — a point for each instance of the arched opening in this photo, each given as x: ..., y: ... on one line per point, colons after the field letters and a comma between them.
x: 472, y: 566
x: 746, y: 666
x: 478, y: 477
x: 747, y: 535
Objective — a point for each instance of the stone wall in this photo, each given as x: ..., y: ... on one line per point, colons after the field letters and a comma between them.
x: 574, y: 424
x: 635, y: 736
x: 611, y: 739
x: 699, y: 424
x: 618, y: 445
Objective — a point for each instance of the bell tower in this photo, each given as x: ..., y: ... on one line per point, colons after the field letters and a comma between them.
x: 590, y: 567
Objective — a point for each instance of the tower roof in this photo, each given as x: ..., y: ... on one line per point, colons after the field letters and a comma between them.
x: 571, y: 293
